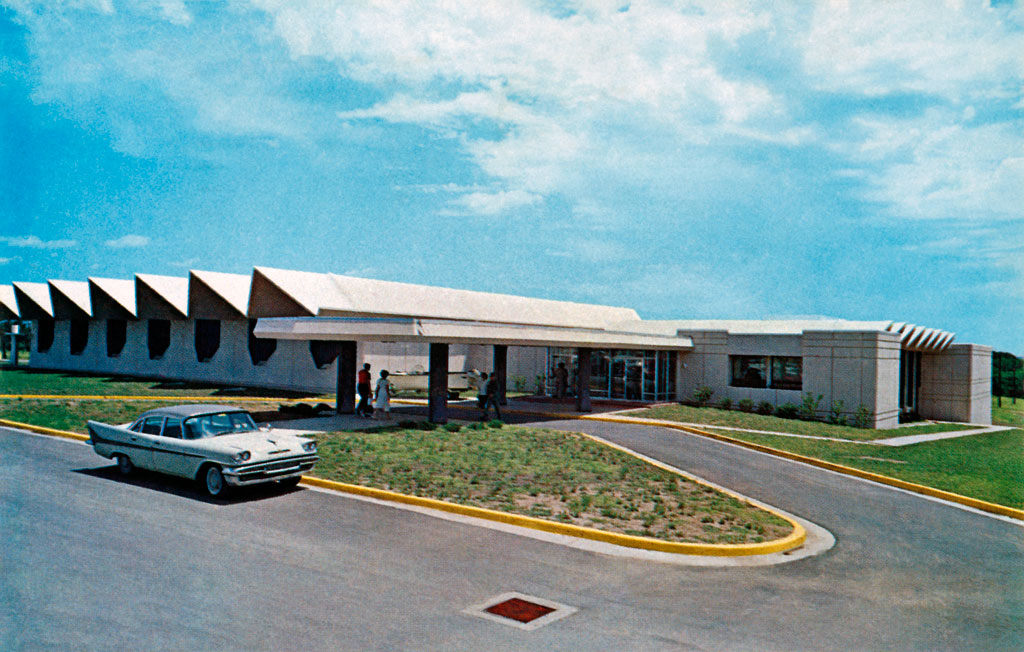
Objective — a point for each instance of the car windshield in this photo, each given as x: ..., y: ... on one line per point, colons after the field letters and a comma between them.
x: 221, y: 423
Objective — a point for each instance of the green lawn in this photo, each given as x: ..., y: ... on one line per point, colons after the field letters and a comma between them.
x: 26, y: 381
x: 989, y: 467
x: 553, y: 475
x: 1011, y: 414
x: 736, y: 419
x: 72, y: 414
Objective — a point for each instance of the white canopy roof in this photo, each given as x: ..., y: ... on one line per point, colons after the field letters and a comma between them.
x: 161, y: 297
x: 8, y: 303
x: 407, y: 329
x: 33, y: 300
x: 112, y: 297
x: 334, y: 295
x: 229, y: 291
x: 70, y: 299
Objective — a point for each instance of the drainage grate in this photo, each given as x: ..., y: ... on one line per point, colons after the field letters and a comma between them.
x: 518, y: 609
x: 521, y: 611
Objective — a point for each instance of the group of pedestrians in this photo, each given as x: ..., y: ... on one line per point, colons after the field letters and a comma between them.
x: 373, y: 403
x: 381, y: 395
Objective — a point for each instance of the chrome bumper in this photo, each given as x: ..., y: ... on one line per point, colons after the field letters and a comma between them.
x: 241, y: 476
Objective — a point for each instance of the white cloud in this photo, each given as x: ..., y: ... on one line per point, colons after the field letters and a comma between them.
x: 953, y: 49
x: 128, y: 241
x: 491, y: 203
x: 34, y: 242
x: 4, y: 261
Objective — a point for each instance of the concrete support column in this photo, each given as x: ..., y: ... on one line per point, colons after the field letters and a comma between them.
x: 437, y: 401
x: 501, y: 371
x: 583, y: 380
x: 346, y: 397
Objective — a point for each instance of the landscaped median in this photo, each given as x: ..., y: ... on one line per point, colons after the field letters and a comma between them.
x: 566, y: 483
x: 985, y: 472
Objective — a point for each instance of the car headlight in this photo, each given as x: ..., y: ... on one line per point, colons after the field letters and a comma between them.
x: 309, y: 446
x: 241, y: 457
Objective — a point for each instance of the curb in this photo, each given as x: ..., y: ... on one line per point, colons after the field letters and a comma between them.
x: 967, y: 501
x: 44, y: 431
x: 793, y: 540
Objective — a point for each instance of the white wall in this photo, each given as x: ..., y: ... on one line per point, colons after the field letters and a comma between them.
x: 858, y: 368
x: 956, y: 384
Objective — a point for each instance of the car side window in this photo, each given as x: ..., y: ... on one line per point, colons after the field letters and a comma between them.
x: 137, y: 426
x: 172, y: 428
x: 151, y: 425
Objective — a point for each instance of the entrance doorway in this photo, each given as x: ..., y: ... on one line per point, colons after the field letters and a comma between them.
x: 622, y: 374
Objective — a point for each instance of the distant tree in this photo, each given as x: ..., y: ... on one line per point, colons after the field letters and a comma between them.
x: 1007, y: 376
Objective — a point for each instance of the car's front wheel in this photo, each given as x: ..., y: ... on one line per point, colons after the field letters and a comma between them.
x: 289, y: 483
x: 213, y: 481
x: 124, y: 464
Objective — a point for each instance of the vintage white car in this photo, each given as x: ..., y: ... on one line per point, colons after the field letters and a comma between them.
x: 216, y: 445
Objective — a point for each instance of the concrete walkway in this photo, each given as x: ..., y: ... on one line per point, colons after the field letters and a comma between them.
x: 934, y: 436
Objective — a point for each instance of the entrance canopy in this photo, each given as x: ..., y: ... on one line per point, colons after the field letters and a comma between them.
x: 452, y: 331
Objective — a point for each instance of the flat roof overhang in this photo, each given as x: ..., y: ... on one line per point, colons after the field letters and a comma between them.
x: 411, y: 329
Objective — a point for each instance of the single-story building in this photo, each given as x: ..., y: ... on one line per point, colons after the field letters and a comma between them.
x: 308, y: 332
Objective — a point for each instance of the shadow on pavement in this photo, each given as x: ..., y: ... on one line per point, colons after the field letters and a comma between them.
x: 176, y: 486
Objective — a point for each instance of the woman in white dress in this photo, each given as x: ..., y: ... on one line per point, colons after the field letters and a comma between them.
x: 382, y: 396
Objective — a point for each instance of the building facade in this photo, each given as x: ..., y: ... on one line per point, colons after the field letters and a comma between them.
x: 290, y: 330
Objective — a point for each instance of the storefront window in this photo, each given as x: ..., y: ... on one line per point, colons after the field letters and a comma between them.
x: 759, y: 371
x: 620, y: 373
x: 749, y: 371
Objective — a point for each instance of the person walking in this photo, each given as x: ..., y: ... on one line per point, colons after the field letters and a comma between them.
x: 365, y: 392
x: 382, y: 398
x: 490, y: 397
x: 561, y: 380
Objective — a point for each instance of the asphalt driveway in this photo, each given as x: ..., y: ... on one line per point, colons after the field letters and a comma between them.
x: 91, y: 561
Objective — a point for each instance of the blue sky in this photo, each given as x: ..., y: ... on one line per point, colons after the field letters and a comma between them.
x: 862, y: 160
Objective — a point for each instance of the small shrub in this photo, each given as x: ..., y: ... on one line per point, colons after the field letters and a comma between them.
x: 862, y: 417
x: 765, y: 407
x: 426, y: 425
x: 836, y: 415
x: 808, y: 409
x: 746, y: 405
x: 702, y: 395
x: 453, y: 427
x: 407, y: 424
x: 519, y: 383
x: 475, y: 426
x: 538, y: 384
x: 725, y: 404
x: 496, y: 423
x: 787, y: 411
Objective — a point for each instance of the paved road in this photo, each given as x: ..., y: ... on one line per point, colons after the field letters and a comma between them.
x: 90, y: 561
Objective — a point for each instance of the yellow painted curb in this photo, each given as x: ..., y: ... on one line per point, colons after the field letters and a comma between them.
x: 976, y: 503
x: 180, y: 399
x: 793, y: 540
x: 44, y: 431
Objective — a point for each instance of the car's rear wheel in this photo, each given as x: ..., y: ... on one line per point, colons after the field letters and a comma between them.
x: 213, y: 481
x: 124, y: 464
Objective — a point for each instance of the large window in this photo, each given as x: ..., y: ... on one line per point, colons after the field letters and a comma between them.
x: 117, y: 335
x: 159, y: 337
x: 324, y: 352
x: 44, y: 335
x: 787, y: 373
x: 762, y: 371
x: 79, y: 337
x: 620, y: 374
x: 260, y: 349
x: 207, y: 338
